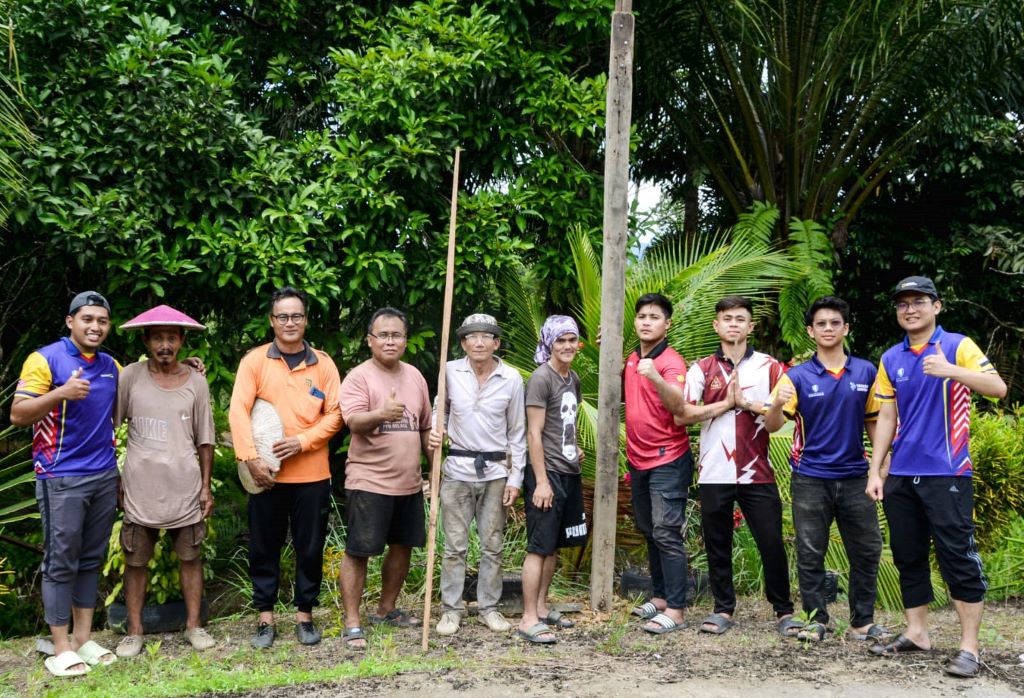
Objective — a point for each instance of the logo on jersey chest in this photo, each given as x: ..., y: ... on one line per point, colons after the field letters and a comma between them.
x: 815, y: 392
x: 716, y: 384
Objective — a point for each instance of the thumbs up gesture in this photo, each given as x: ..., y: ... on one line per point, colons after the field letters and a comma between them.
x: 393, y: 408
x: 76, y: 387
x: 937, y: 365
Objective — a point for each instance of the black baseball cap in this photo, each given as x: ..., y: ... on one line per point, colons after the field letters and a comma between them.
x: 87, y: 298
x: 916, y: 284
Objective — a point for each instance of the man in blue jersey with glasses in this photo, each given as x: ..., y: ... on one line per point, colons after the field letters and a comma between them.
x: 830, y: 399
x: 924, y: 385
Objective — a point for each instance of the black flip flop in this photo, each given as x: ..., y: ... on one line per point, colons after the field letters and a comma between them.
x: 533, y: 634
x: 964, y: 665
x: 721, y: 623
x: 901, y: 645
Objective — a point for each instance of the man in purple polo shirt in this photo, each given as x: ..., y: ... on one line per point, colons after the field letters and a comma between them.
x: 925, y: 384
x: 66, y: 392
x: 830, y: 399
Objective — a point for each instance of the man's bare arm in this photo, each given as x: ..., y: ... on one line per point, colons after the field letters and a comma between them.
x: 26, y: 411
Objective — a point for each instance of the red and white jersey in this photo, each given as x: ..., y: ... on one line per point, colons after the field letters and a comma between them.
x: 734, y: 446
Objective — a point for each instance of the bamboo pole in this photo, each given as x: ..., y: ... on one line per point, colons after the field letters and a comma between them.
x: 618, y: 113
x: 435, y: 467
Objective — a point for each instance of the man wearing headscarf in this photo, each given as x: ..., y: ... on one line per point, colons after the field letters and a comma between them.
x: 554, y: 493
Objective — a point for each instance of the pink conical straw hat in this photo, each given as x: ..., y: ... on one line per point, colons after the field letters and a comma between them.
x: 162, y: 315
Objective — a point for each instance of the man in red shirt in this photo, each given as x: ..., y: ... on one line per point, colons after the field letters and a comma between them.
x: 660, y: 463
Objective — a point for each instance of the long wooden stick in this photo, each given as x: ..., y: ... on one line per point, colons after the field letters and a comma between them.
x: 435, y: 468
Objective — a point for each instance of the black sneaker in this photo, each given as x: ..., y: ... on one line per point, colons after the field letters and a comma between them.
x: 307, y: 633
x: 264, y: 637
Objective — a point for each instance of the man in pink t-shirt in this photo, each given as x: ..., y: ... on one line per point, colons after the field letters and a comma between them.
x: 386, y: 406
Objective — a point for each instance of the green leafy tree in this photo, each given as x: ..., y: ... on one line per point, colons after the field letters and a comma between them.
x: 953, y: 211
x: 202, y: 155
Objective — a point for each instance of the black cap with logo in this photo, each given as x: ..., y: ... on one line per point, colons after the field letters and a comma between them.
x: 916, y: 284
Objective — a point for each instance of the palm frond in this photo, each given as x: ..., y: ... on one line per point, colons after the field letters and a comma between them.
x: 588, y: 277
x: 525, y: 316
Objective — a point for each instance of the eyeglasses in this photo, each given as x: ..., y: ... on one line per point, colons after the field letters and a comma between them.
x: 283, y: 318
x: 479, y: 337
x: 916, y: 304
x: 386, y: 337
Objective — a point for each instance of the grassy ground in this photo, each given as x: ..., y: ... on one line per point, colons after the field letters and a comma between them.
x: 602, y: 656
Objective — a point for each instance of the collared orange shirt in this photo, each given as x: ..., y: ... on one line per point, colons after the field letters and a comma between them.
x: 306, y: 399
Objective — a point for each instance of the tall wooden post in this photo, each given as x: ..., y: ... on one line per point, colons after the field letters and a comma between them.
x: 618, y: 115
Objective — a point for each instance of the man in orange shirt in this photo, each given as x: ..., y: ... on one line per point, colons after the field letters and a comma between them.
x: 302, y: 384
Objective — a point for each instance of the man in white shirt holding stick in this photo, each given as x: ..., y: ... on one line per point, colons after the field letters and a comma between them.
x: 483, y: 473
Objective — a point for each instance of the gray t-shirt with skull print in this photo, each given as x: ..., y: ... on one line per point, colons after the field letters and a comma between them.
x: 560, y: 398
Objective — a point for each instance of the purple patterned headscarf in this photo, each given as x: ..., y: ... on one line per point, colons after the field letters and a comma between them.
x: 554, y: 327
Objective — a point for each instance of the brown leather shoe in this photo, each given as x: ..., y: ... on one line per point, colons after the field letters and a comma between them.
x: 901, y: 645
x: 963, y: 664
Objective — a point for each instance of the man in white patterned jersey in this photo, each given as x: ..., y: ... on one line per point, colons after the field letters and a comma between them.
x: 734, y: 465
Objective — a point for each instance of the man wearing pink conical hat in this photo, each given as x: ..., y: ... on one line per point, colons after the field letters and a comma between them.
x: 166, y: 477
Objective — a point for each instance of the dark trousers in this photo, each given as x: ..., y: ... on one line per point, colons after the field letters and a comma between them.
x: 762, y: 508
x: 77, y: 514
x: 939, y: 509
x: 304, y: 508
x: 659, y: 508
x: 816, y: 503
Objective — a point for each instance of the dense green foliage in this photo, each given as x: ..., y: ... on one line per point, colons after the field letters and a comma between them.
x: 955, y: 210
x: 997, y: 449
x: 808, y: 104
x: 895, y: 126
x: 203, y: 154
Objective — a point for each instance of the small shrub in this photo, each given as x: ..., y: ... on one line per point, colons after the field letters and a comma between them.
x: 1004, y: 566
x: 997, y: 449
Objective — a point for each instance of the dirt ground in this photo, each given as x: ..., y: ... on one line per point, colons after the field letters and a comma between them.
x: 607, y: 657
x: 611, y: 656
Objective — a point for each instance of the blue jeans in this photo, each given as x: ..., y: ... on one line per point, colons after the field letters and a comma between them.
x: 816, y: 503
x: 659, y: 508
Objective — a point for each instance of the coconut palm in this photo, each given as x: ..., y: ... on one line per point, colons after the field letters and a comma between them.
x: 15, y: 471
x: 809, y: 104
x: 16, y: 137
x: 694, y: 274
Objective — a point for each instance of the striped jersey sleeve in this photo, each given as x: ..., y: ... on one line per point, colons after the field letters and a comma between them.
x: 35, y: 378
x: 969, y: 355
x: 883, y: 391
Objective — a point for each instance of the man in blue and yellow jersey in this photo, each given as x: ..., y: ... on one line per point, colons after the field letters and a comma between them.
x: 925, y: 384
x: 66, y: 392
x: 830, y: 399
